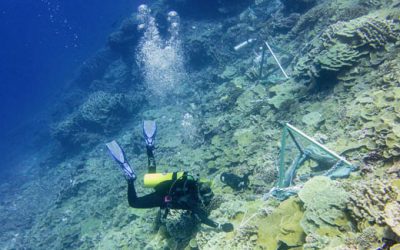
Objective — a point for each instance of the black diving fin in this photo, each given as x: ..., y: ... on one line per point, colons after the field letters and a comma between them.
x: 149, y: 132
x: 119, y: 156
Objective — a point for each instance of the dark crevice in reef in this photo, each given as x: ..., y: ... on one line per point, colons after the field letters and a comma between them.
x: 326, y: 81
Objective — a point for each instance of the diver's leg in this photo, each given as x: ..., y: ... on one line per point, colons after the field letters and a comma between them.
x: 151, y: 161
x: 132, y: 196
x: 149, y: 133
x: 148, y: 201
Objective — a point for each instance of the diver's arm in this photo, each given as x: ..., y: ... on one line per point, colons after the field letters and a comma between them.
x: 147, y: 201
x: 203, y: 217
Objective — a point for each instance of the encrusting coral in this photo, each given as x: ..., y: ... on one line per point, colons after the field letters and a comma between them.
x: 367, y: 201
x: 344, y: 43
x: 392, y: 216
x: 282, y: 226
x: 324, y: 203
x: 367, y: 237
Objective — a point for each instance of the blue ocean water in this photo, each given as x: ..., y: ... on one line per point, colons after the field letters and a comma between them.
x: 42, y: 44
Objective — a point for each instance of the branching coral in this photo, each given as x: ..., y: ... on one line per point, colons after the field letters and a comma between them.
x: 246, y: 237
x: 180, y: 226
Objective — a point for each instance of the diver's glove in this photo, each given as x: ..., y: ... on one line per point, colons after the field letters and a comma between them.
x: 226, y: 227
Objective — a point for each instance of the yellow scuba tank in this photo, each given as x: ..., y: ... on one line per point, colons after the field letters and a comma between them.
x: 152, y: 180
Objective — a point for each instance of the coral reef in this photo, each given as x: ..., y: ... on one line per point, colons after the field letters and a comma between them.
x: 282, y: 96
x: 392, y: 216
x: 116, y: 77
x: 344, y: 43
x: 180, y: 227
x: 315, y: 241
x: 367, y: 238
x: 282, y: 226
x: 94, y: 68
x: 324, y: 204
x: 266, y: 176
x: 367, y: 201
x: 370, y: 30
x: 228, y: 119
x: 99, y: 114
x: 125, y: 37
x: 284, y: 24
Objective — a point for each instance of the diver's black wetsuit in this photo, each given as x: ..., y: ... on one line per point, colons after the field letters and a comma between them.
x: 182, y: 193
x: 167, y: 197
x: 151, y: 161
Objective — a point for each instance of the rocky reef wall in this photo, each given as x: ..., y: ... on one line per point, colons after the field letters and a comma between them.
x: 342, y: 58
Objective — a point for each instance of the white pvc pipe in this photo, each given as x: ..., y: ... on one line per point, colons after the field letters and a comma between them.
x: 318, y: 144
x: 243, y: 44
x: 276, y: 59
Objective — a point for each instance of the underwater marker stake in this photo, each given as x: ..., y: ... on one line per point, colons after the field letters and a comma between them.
x: 276, y: 59
x: 262, y: 62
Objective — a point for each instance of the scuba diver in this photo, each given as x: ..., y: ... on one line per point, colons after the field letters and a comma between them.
x: 177, y: 190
